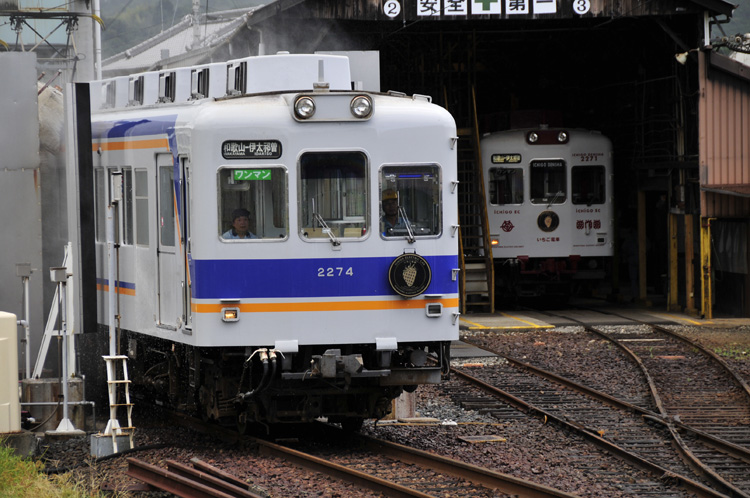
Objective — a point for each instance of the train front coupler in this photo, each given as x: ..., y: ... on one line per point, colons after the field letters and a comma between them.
x: 267, y: 359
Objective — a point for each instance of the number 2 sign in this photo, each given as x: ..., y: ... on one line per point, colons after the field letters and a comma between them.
x: 391, y: 8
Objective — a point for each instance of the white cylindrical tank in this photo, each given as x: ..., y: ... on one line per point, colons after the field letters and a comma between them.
x: 10, y: 405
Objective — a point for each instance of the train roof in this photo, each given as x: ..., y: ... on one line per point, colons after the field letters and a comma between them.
x: 282, y: 72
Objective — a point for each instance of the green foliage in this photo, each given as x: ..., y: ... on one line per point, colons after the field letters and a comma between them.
x: 734, y: 352
x: 22, y: 478
x: 15, y: 472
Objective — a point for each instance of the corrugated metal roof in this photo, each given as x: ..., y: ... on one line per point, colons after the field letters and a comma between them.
x: 176, y: 46
x: 718, y: 6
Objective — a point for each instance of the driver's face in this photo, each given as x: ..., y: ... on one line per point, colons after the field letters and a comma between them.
x: 390, y: 206
x: 241, y: 224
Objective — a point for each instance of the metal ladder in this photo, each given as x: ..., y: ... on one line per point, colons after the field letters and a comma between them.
x: 477, y: 285
x: 113, y: 426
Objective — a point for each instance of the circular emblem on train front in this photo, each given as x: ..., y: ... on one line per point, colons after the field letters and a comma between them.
x: 409, y: 275
x: 548, y: 221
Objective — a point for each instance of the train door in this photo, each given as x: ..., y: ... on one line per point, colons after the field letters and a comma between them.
x: 169, y: 295
x: 185, y: 242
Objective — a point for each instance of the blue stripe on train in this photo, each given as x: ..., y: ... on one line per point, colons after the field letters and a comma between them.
x: 311, y: 278
x: 118, y: 283
x: 155, y: 125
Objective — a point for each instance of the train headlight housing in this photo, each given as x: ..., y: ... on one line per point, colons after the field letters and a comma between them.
x: 361, y: 106
x: 230, y: 314
x: 304, y: 108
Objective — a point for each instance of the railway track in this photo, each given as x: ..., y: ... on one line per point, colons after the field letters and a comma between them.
x: 619, y: 431
x: 713, y: 397
x: 636, y: 431
x: 199, y: 481
x: 398, y: 470
x: 370, y: 463
x: 701, y: 406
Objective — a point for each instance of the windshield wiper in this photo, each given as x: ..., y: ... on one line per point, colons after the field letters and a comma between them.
x: 326, y: 229
x: 557, y: 195
x: 409, y: 232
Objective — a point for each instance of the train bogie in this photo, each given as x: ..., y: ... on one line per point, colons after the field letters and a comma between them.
x: 256, y: 275
x: 549, y: 205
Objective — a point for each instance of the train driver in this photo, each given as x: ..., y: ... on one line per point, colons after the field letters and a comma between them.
x: 240, y: 226
x: 391, y: 219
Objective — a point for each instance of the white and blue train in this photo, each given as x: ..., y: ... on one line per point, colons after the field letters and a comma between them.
x: 257, y: 279
x: 550, y: 209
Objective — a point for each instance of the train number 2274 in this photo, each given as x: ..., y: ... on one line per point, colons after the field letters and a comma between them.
x: 339, y: 271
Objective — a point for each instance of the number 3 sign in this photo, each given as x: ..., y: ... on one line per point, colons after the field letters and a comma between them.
x: 581, y: 7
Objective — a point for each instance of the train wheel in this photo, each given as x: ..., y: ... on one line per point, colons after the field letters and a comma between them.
x: 207, y: 404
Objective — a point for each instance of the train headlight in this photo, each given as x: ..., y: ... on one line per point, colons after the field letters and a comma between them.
x: 562, y: 137
x: 533, y: 137
x: 361, y: 106
x: 230, y: 314
x: 304, y: 108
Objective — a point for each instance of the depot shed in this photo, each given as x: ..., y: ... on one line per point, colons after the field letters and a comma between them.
x: 655, y: 77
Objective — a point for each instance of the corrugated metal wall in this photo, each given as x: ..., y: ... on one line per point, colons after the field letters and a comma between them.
x: 724, y: 148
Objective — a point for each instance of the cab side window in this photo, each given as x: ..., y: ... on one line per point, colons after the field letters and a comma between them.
x: 253, y: 204
x: 411, y: 204
x: 506, y: 186
x: 587, y: 185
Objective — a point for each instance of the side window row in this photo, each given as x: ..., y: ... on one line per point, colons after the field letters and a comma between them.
x: 133, y: 226
x: 548, y: 184
x: 333, y: 199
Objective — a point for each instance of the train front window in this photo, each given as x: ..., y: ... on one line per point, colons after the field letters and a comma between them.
x: 587, y: 185
x: 410, y: 201
x: 253, y: 203
x: 547, y: 182
x: 506, y: 186
x: 333, y: 195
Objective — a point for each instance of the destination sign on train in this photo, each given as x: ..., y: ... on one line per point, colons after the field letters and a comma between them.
x: 506, y: 158
x: 251, y: 149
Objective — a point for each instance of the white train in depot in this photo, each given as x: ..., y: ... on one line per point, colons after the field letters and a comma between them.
x: 285, y: 243
x: 549, y: 205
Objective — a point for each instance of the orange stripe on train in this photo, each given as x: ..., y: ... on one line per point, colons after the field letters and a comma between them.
x: 120, y: 290
x: 155, y: 143
x: 323, y: 306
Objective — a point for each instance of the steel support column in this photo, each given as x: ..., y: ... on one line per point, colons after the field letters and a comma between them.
x: 706, y: 270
